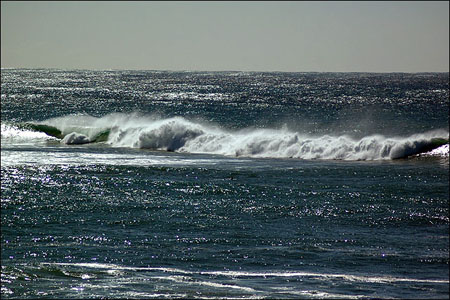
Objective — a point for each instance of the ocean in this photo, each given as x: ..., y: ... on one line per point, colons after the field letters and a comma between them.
x: 216, y: 185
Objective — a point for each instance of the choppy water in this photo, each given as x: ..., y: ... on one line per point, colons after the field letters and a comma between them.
x: 224, y: 184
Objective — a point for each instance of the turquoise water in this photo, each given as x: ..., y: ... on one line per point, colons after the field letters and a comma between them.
x: 224, y: 185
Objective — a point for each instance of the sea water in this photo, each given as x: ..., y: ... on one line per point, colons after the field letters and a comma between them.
x: 158, y: 184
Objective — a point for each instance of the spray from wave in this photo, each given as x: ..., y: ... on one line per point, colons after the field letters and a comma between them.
x: 183, y: 135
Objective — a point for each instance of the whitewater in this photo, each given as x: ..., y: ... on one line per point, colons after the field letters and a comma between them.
x: 183, y: 135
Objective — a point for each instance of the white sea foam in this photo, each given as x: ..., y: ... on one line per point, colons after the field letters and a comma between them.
x: 244, y: 274
x: 442, y: 151
x: 188, y: 280
x: 75, y: 138
x: 347, y: 277
x: 182, y: 135
x: 179, y: 134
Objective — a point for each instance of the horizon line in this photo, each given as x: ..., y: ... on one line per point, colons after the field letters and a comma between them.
x: 213, y: 71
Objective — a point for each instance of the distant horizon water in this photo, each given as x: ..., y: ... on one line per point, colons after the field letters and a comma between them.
x: 225, y: 70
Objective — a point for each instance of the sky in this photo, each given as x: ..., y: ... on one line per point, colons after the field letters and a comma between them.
x: 291, y: 36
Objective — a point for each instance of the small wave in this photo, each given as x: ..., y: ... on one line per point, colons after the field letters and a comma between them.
x: 248, y: 274
x: 183, y: 135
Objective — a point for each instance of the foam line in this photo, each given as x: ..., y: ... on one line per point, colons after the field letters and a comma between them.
x: 347, y: 277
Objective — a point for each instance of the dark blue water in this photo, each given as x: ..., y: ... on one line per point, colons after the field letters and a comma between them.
x: 224, y: 185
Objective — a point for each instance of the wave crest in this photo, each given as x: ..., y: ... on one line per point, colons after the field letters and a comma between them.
x: 169, y: 134
x: 179, y: 134
x: 182, y: 135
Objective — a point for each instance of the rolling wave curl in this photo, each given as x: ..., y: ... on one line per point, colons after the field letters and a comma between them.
x: 183, y: 135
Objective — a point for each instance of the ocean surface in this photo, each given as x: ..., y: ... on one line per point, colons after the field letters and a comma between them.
x: 215, y: 185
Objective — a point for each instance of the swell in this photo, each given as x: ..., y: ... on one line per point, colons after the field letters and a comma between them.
x: 182, y: 135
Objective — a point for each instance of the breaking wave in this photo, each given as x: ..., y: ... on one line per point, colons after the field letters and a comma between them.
x: 15, y: 133
x: 183, y: 135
